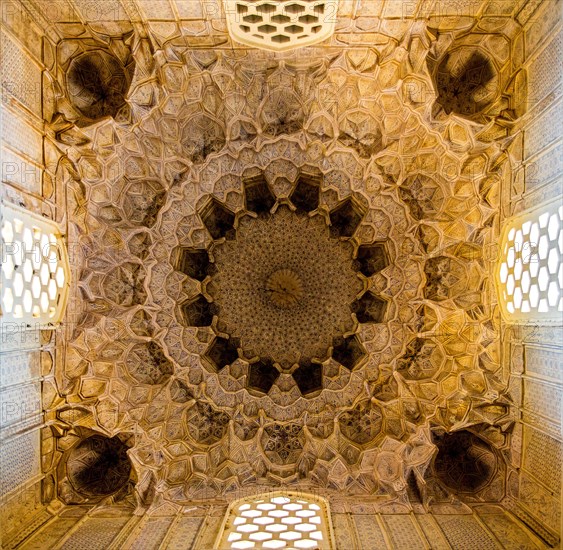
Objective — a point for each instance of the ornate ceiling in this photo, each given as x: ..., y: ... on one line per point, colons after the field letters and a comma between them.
x: 282, y: 269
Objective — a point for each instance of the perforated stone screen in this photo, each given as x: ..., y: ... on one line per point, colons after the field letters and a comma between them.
x: 530, y: 274
x: 35, y: 269
x: 280, y: 24
x: 277, y: 520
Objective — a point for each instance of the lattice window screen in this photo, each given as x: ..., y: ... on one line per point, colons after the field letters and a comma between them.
x: 280, y: 24
x: 277, y: 520
x: 35, y: 270
x: 530, y: 273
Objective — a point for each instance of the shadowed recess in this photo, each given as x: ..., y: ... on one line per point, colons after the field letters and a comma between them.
x: 222, y: 352
x: 345, y: 218
x: 259, y: 198
x: 463, y: 79
x: 348, y: 351
x: 370, y: 308
x: 464, y: 463
x: 97, y: 84
x: 262, y: 375
x: 372, y: 259
x: 309, y: 377
x: 198, y: 312
x: 218, y: 220
x: 306, y: 194
x: 98, y: 466
x: 194, y: 263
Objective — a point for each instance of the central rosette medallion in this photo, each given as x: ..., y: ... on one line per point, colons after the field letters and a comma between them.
x: 284, y: 286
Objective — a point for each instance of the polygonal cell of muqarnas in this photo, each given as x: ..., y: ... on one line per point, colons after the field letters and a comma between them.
x: 283, y: 443
x: 124, y: 285
x: 202, y: 136
x: 222, y: 352
x: 362, y: 424
x: 348, y: 351
x: 206, y: 424
x: 262, y: 375
x: 142, y: 201
x: 309, y: 378
x: 281, y: 113
x: 370, y: 308
x: 422, y: 360
x: 345, y: 218
x: 147, y: 364
x: 218, y: 220
x: 423, y: 195
x: 198, y: 312
x: 258, y: 195
x: 372, y: 258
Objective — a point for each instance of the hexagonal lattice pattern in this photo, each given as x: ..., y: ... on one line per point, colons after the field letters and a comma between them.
x: 530, y: 273
x: 278, y: 520
x: 35, y: 269
x: 280, y: 24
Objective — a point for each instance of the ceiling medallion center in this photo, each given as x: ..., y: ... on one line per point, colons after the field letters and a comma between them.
x: 284, y: 288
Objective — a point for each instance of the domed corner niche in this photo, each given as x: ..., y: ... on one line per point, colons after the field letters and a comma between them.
x: 97, y: 83
x: 95, y: 468
x: 465, y: 464
x: 467, y: 78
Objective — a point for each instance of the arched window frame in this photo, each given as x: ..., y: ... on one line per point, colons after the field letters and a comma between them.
x: 531, y: 244
x: 35, y: 279
x: 229, y: 526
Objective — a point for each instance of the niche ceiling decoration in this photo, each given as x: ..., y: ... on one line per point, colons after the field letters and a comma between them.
x: 284, y: 277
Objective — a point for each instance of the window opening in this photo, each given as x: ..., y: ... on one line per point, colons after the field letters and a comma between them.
x: 280, y: 24
x: 35, y: 271
x: 277, y: 520
x: 530, y: 274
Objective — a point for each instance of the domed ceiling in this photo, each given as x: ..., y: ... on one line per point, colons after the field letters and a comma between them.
x: 282, y: 268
